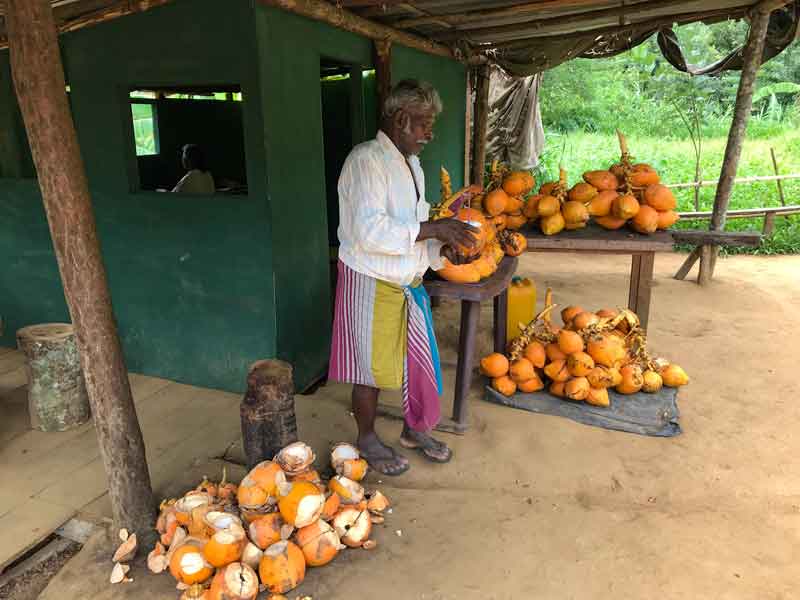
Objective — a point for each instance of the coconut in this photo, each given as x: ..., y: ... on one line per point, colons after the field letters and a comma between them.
x: 355, y: 469
x: 219, y: 521
x: 631, y: 379
x: 569, y: 342
x: 600, y: 377
x: 535, y: 353
x: 577, y: 388
x: 598, y: 397
x: 377, y: 502
x: 188, y: 565
x: 319, y: 543
x: 225, y: 547
x: 236, y: 581
x: 266, y: 530
x: 295, y: 458
x: 579, y: 364
x: 250, y: 494
x: 302, y: 503
x: 583, y: 320
x: 557, y: 371
x: 651, y: 382
x: 353, y: 526
x: 283, y: 567
x: 522, y: 370
x: 674, y: 376
x: 554, y: 352
x: 331, y: 506
x: 267, y: 475
x: 185, y: 505
x: 349, y: 491
x: 251, y: 555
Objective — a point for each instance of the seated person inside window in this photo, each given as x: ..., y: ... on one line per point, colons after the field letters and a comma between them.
x: 198, y: 180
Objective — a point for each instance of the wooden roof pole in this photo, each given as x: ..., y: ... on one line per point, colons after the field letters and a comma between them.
x: 39, y: 82
x: 382, y: 60
x: 344, y: 19
x: 480, y: 123
x: 741, y: 113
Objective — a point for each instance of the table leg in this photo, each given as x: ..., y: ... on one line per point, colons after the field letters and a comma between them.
x: 435, y: 301
x: 470, y: 312
x: 500, y: 322
x: 641, y: 285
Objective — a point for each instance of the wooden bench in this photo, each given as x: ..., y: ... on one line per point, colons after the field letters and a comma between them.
x: 595, y: 240
x: 707, y: 239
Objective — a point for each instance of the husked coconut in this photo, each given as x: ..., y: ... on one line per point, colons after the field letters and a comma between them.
x: 295, y: 458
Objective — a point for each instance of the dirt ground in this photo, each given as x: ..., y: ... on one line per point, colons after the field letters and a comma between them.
x: 536, y: 506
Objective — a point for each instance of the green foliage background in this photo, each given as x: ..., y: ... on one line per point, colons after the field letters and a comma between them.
x: 584, y: 101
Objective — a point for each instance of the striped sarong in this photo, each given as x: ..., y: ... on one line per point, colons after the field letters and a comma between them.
x: 383, y: 338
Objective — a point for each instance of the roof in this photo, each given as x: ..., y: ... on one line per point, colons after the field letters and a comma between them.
x: 547, y: 31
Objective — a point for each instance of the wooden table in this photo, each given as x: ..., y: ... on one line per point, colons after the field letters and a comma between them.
x: 596, y: 240
x: 471, y: 295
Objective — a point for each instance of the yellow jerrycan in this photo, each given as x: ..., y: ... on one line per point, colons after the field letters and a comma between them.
x: 521, y: 305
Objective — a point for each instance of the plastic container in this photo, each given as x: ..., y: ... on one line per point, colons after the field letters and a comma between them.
x: 521, y: 305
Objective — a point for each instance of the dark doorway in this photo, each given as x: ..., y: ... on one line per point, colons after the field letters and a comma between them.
x: 343, y: 127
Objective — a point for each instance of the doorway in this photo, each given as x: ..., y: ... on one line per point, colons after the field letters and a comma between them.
x: 342, y: 89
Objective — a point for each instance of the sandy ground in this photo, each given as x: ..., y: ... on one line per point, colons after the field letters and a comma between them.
x: 540, y: 507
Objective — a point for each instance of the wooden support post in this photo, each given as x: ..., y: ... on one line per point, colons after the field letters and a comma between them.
x: 688, y: 264
x: 769, y: 224
x: 744, y: 102
x: 382, y: 59
x: 479, y: 123
x: 777, y: 174
x: 467, y: 125
x: 39, y: 81
x: 267, y: 411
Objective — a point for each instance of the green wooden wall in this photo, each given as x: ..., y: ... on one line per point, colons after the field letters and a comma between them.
x: 202, y: 286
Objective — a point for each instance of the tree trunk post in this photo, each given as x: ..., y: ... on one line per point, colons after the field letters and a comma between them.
x: 267, y: 411
x: 479, y: 123
x: 57, y: 399
x: 382, y: 59
x: 753, y: 51
x: 39, y: 82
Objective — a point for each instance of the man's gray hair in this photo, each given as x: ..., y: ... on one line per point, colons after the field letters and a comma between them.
x: 410, y: 93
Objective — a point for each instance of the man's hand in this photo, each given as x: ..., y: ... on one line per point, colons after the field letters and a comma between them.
x: 451, y: 232
x: 455, y: 257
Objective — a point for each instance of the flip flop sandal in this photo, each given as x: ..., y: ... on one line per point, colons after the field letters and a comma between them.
x: 380, y: 464
x: 426, y: 446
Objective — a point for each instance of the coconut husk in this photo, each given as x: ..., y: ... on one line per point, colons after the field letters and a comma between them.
x: 127, y: 550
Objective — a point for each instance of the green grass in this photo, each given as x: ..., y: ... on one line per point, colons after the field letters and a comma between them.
x: 675, y: 161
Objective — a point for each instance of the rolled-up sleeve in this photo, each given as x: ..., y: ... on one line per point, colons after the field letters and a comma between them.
x: 435, y: 258
x: 363, y: 192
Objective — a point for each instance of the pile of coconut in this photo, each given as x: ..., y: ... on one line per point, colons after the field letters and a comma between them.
x: 222, y: 541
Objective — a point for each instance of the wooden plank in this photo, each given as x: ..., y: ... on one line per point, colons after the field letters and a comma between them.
x: 11, y: 362
x: 477, y: 16
x: 746, y: 213
x: 476, y: 292
x: 688, y: 264
x: 530, y: 26
x: 777, y: 174
x: 343, y: 19
x: 752, y: 179
x: 27, y: 525
x: 596, y: 239
x: 719, y: 238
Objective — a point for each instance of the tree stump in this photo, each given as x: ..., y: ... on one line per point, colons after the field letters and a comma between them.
x: 267, y: 411
x: 57, y: 398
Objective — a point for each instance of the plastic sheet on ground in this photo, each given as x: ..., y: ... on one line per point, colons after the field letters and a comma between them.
x: 646, y: 414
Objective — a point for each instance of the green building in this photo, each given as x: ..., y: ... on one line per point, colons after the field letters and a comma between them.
x: 203, y: 286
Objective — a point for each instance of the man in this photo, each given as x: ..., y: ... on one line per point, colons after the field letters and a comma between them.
x: 383, y: 331
x: 198, y: 180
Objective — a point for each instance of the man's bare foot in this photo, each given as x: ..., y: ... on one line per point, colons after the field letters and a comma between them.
x: 381, y: 457
x: 432, y: 449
